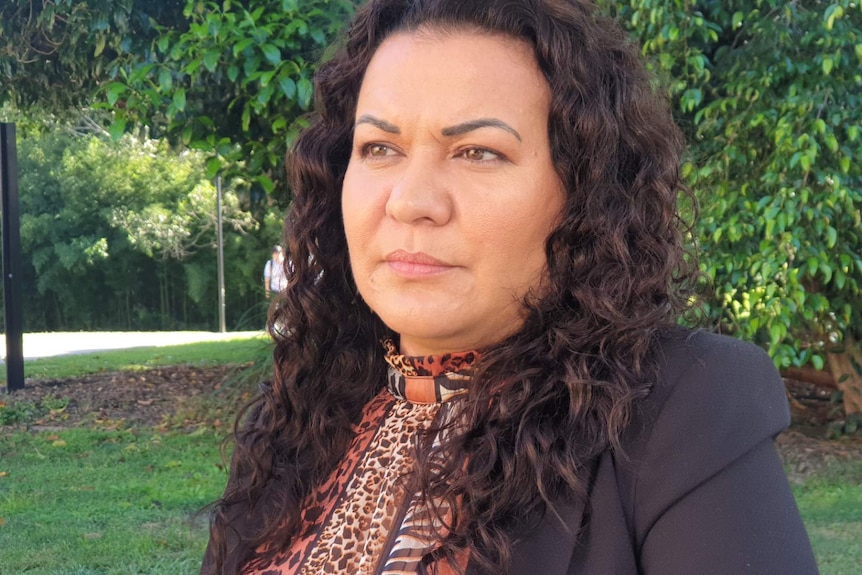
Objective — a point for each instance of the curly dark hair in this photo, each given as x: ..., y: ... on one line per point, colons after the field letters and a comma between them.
x: 546, y: 401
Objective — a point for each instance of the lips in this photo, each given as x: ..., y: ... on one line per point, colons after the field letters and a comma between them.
x: 415, y: 264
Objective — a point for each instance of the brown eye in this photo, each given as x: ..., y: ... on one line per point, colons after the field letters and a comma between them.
x: 479, y: 155
x: 376, y: 150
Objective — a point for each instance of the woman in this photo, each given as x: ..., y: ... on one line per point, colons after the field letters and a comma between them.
x: 482, y: 373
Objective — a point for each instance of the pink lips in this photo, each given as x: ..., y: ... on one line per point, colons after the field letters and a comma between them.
x: 415, y: 264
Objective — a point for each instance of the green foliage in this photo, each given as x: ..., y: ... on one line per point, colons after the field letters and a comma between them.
x: 232, y: 78
x: 852, y: 425
x: 769, y: 93
x: 116, y: 234
x: 55, y: 55
x: 25, y: 412
x: 234, y: 82
x: 18, y: 413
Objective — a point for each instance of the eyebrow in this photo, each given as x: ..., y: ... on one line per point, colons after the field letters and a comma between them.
x: 378, y: 123
x: 456, y: 130
x: 465, y: 127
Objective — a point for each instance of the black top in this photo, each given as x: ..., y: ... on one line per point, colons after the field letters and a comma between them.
x: 701, y: 489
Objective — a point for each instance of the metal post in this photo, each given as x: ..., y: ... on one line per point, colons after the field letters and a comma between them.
x: 221, y: 311
x: 11, y: 259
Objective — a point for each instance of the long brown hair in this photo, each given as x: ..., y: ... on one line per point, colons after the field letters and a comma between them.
x: 544, y: 402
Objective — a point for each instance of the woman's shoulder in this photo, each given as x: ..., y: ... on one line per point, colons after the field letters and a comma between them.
x: 715, y: 401
x: 680, y: 345
x: 697, y: 363
x: 714, y: 398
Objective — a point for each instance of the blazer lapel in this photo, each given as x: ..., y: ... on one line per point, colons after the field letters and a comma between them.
x: 548, y: 548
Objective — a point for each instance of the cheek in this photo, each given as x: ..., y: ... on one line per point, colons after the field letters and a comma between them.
x: 517, y: 238
x: 356, y: 212
x: 522, y: 226
x: 363, y: 223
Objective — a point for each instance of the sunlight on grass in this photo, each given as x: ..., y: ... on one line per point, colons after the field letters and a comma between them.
x: 112, y: 502
x: 223, y: 351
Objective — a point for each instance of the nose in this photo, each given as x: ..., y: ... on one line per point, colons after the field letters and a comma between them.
x: 421, y: 194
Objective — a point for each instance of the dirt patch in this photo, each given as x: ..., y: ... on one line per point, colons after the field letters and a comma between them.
x: 186, y: 397
x: 805, y: 456
x: 814, y: 440
x: 148, y: 398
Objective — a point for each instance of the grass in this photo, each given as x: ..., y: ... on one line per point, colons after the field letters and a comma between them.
x: 108, y: 503
x: 831, y: 506
x: 96, y: 502
x: 235, y: 350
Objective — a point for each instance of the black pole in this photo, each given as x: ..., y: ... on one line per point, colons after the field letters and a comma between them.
x: 11, y: 259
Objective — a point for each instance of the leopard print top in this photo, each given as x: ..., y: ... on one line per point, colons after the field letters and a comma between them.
x: 365, y: 519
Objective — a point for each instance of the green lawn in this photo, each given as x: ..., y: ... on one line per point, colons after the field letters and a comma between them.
x: 831, y: 506
x: 235, y: 350
x: 96, y: 502
x: 88, y: 502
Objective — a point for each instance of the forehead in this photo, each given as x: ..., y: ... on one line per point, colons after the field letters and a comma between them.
x: 454, y: 73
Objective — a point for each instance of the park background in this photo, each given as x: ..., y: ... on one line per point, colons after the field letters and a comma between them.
x: 126, y: 111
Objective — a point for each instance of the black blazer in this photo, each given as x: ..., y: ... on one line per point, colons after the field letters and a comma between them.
x: 701, y: 489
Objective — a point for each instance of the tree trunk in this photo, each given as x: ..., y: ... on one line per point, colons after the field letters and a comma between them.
x: 820, y: 378
x: 846, y: 367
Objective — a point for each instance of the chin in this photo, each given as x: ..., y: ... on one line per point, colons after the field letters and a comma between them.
x: 432, y: 333
x: 417, y: 327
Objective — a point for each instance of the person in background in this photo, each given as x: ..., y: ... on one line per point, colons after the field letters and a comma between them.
x: 483, y: 370
x: 274, y: 278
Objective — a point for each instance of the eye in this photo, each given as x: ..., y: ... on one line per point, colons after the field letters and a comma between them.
x: 480, y: 155
x: 376, y: 151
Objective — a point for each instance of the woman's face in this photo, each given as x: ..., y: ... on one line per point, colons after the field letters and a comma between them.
x: 450, y: 192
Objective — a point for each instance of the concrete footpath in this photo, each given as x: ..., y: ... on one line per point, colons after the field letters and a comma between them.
x: 66, y: 343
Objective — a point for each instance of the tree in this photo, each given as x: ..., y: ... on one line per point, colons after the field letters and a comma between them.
x: 232, y: 78
x: 769, y: 93
x: 121, y: 235
x: 55, y: 55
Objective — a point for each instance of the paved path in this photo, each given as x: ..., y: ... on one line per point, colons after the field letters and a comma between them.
x: 66, y: 343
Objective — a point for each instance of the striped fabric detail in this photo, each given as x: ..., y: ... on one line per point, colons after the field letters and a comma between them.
x: 428, y: 379
x: 418, y: 531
